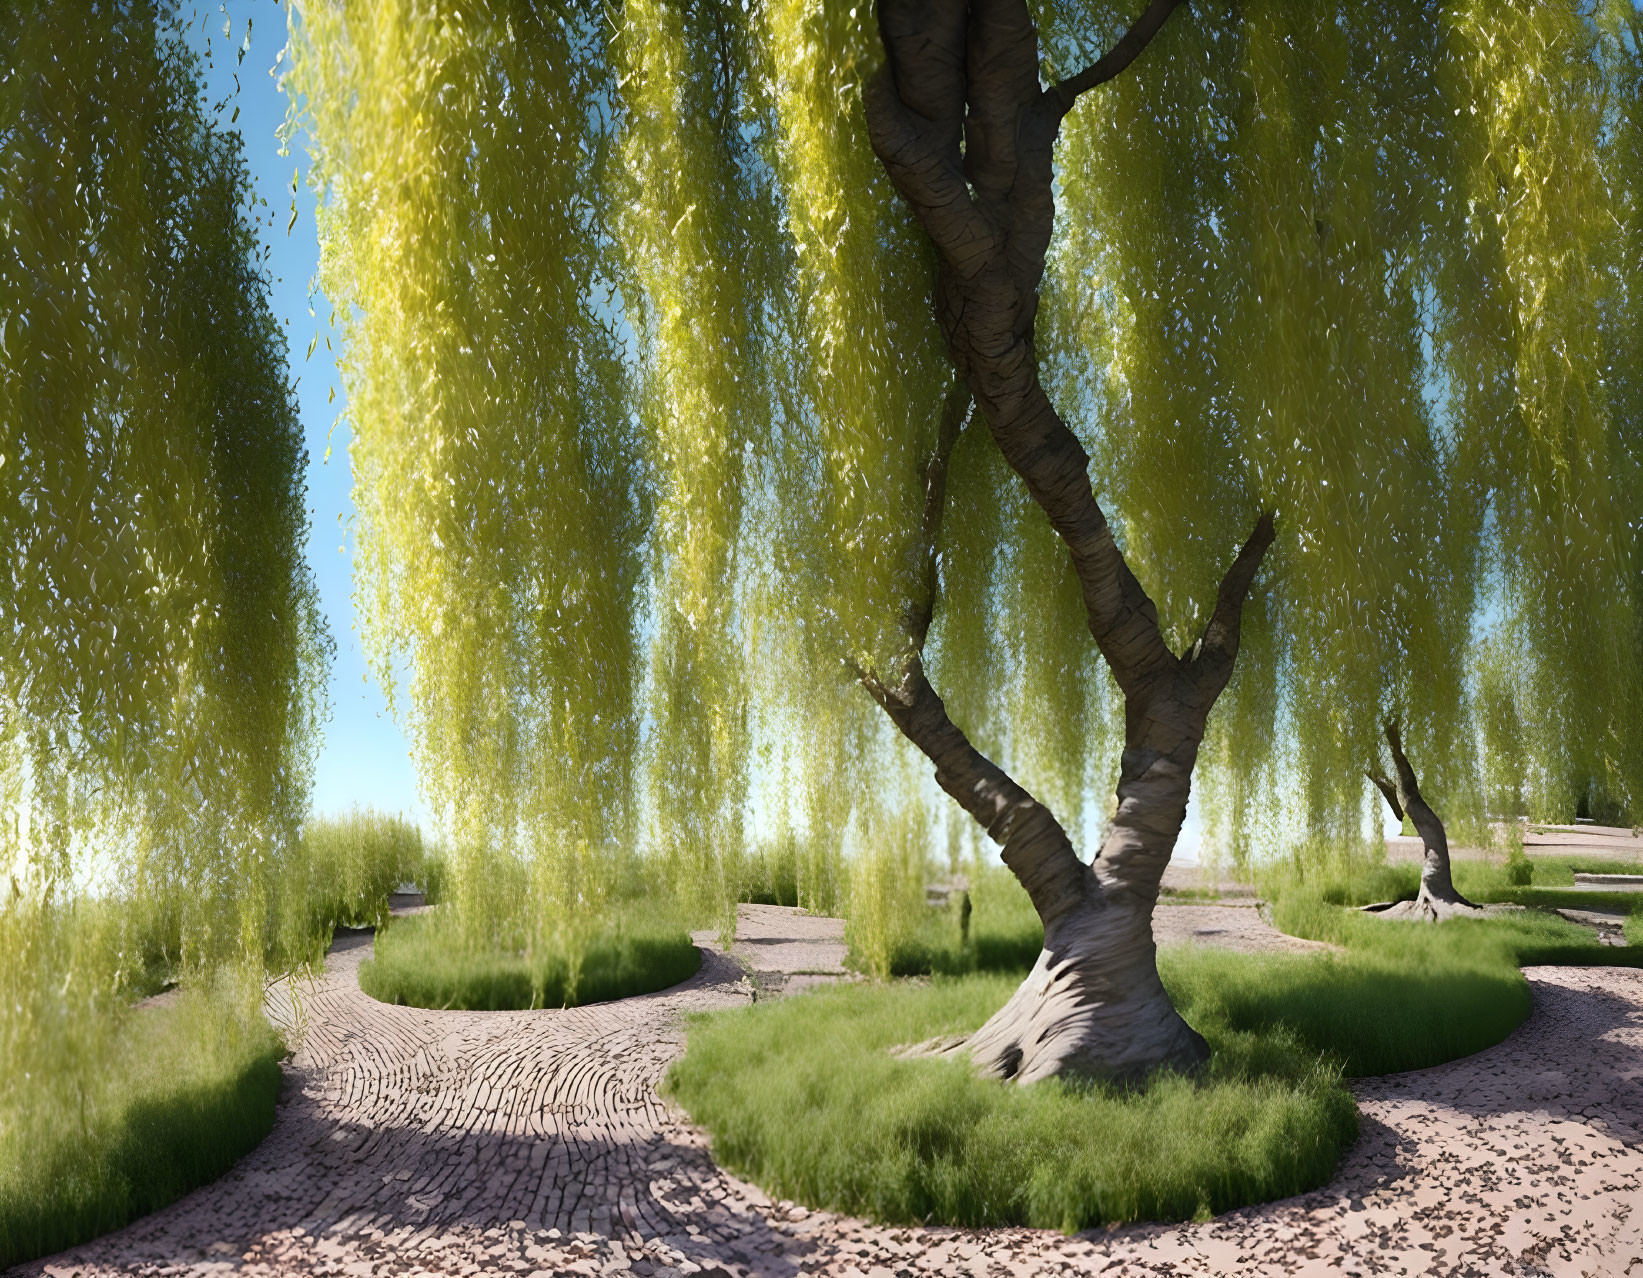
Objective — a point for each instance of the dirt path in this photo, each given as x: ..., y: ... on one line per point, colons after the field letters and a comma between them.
x: 412, y: 1141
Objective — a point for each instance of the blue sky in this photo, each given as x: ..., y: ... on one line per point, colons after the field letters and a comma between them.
x: 365, y: 758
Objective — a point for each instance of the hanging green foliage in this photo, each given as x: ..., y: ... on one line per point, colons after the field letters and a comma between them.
x: 1353, y: 262
x: 161, y: 653
x: 1549, y: 191
x: 465, y: 158
x: 647, y: 393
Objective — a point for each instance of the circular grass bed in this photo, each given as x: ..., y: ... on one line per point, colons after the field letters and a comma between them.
x: 422, y: 961
x: 803, y: 1097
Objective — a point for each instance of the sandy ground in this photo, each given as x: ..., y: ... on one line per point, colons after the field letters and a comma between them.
x: 1595, y: 841
x: 412, y: 1141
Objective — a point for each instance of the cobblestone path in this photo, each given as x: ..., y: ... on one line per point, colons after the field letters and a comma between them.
x: 412, y: 1141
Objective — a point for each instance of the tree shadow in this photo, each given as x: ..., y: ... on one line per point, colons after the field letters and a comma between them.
x: 607, y: 1173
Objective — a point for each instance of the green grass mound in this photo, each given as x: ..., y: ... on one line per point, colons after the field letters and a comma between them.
x: 423, y: 961
x: 1370, y: 1012
x: 179, y: 1094
x: 802, y: 1096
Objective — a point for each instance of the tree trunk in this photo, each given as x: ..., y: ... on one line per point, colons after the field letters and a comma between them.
x: 1437, y: 899
x: 966, y: 132
x: 1093, y: 1005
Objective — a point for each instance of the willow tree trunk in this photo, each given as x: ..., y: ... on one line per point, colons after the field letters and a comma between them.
x: 1093, y: 1005
x: 1437, y: 899
x: 966, y: 132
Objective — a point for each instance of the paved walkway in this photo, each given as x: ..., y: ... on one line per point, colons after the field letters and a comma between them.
x: 412, y: 1141
x: 1591, y: 842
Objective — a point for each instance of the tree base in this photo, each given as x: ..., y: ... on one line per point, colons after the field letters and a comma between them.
x: 1090, y: 1009
x: 1427, y: 908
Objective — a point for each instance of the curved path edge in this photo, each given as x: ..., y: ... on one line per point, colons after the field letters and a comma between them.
x: 415, y: 1141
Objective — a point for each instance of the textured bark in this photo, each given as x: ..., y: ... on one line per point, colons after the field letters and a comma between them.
x: 966, y: 132
x: 1437, y: 899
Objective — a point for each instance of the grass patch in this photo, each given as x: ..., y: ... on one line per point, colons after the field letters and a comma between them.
x: 183, y: 1092
x: 1005, y: 933
x: 1570, y: 898
x: 424, y: 961
x: 1525, y: 939
x: 1551, y: 871
x: 802, y: 1096
x: 1408, y: 1000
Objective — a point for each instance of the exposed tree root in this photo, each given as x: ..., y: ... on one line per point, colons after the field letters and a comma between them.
x: 1429, y: 909
x: 1092, y: 1007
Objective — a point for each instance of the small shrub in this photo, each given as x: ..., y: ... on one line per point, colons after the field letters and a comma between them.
x: 171, y: 1098
x: 426, y: 961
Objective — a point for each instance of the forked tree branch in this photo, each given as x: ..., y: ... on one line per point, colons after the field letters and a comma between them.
x: 1437, y: 880
x: 1387, y: 789
x: 1406, y: 790
x: 1216, y: 651
x: 1115, y: 59
x: 960, y: 123
x: 955, y: 412
x: 966, y: 133
x: 1033, y: 843
x: 1408, y: 786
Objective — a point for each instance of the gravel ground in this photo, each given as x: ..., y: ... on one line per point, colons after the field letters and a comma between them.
x: 412, y: 1141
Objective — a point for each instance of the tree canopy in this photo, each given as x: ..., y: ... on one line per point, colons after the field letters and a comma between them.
x: 161, y: 646
x: 647, y: 388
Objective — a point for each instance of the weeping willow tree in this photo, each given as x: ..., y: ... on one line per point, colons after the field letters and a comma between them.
x: 1240, y: 304
x: 1552, y: 351
x: 468, y: 246
x: 593, y: 290
x: 684, y: 512
x: 1364, y: 260
x: 161, y: 649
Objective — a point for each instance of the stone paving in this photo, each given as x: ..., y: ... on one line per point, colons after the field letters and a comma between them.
x: 412, y: 1141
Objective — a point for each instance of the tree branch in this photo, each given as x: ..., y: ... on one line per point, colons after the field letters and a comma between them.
x: 1216, y: 651
x: 989, y: 212
x: 1419, y: 811
x: 1035, y: 847
x: 1408, y: 786
x: 1437, y: 880
x: 915, y: 105
x: 954, y: 414
x: 1387, y: 789
x: 1115, y: 59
